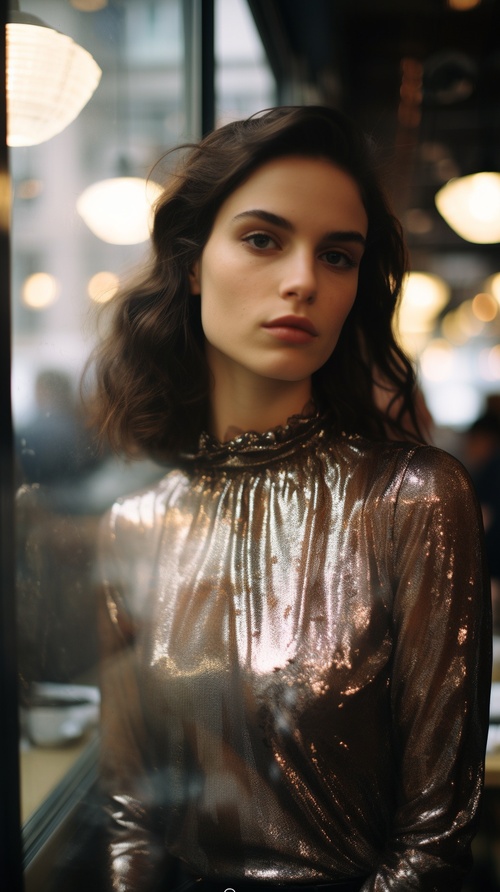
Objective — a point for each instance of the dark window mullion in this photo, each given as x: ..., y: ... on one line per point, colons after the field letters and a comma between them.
x: 207, y: 67
x: 10, y: 814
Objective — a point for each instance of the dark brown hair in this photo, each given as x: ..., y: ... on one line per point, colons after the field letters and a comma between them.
x: 151, y: 377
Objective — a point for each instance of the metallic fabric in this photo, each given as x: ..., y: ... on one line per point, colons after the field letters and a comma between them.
x: 296, y: 665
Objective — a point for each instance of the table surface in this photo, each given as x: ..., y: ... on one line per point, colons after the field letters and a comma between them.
x: 41, y: 770
x: 492, y: 778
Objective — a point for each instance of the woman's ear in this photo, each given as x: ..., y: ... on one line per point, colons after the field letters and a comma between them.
x: 194, y: 278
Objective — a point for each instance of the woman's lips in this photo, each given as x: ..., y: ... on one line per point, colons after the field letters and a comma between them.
x: 294, y: 329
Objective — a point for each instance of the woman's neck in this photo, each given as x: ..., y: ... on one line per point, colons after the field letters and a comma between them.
x: 236, y: 408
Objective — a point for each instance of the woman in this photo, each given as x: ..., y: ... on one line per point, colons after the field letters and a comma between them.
x: 296, y: 625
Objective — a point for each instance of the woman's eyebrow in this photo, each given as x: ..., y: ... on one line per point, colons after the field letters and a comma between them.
x: 283, y: 223
x: 267, y: 217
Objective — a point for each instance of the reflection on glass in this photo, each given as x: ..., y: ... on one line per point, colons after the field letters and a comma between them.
x: 120, y: 210
x: 60, y: 272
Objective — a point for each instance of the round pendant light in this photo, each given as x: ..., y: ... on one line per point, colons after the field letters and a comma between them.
x: 50, y: 78
x: 119, y: 210
x: 471, y: 206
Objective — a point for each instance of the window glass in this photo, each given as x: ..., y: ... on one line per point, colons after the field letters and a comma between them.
x: 244, y: 82
x: 61, y: 271
x: 65, y: 264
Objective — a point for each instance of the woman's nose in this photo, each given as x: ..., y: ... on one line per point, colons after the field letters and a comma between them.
x: 299, y: 279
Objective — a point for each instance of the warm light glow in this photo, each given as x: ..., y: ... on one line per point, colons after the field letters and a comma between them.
x: 493, y: 285
x: 462, y: 5
x: 467, y: 319
x: 453, y: 330
x: 89, y: 5
x: 423, y: 296
x: 5, y: 201
x: 437, y: 360
x: 49, y: 80
x: 102, y: 286
x: 484, y: 307
x: 119, y: 210
x: 425, y: 293
x: 471, y: 206
x: 40, y: 291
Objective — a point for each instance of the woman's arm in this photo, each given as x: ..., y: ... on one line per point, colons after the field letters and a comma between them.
x: 441, y: 677
x: 136, y: 860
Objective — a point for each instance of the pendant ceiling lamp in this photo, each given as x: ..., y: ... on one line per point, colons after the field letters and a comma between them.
x: 471, y: 206
x: 50, y: 78
x: 119, y: 210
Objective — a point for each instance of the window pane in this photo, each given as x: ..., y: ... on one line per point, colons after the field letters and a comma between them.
x: 62, y: 270
x: 244, y: 82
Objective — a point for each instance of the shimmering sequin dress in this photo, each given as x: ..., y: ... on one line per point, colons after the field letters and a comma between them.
x: 296, y: 669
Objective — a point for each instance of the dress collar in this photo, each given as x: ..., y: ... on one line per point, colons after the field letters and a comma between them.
x: 254, y: 448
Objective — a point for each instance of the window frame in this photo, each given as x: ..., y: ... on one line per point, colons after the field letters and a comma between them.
x: 10, y: 813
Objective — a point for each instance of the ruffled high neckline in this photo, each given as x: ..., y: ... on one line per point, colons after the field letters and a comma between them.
x: 255, y: 448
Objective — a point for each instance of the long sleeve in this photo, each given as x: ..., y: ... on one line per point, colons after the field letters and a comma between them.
x: 136, y: 856
x: 440, y: 678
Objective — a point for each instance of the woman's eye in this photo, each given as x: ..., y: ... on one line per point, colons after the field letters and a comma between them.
x: 337, y: 258
x: 260, y: 240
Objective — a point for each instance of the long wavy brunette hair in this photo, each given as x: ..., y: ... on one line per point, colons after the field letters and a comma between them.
x: 151, y: 392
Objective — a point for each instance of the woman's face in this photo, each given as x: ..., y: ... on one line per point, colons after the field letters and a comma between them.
x: 279, y: 272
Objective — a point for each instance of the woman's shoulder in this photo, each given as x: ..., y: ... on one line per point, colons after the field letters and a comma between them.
x: 440, y: 483
x: 430, y: 478
x: 419, y: 470
x: 430, y: 459
x: 431, y: 468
